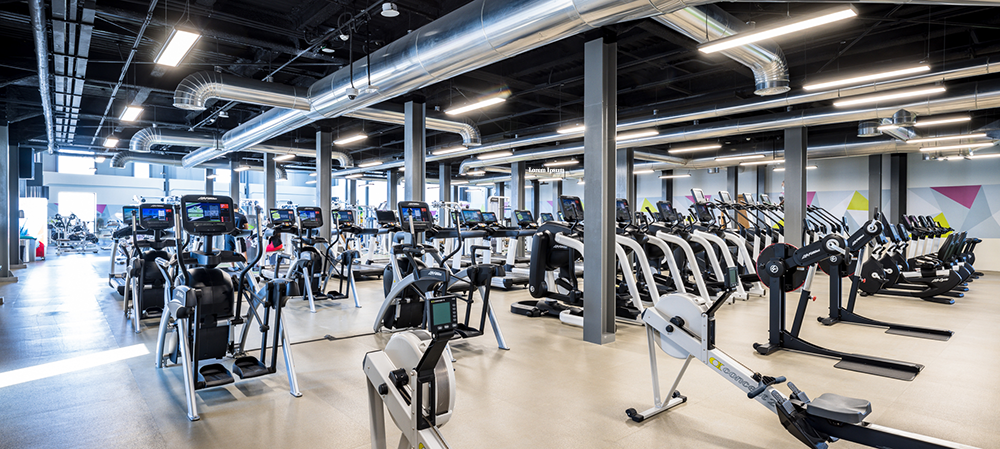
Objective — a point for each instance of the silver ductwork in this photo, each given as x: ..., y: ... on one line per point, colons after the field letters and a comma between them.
x: 709, y: 22
x: 869, y: 128
x: 121, y: 158
x: 345, y: 159
x: 145, y: 139
x: 36, y: 9
x: 194, y: 91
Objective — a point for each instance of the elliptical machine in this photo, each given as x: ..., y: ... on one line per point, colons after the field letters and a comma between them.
x: 145, y: 285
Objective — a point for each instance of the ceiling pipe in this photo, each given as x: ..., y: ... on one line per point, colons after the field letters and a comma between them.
x: 343, y: 158
x: 145, y: 139
x: 710, y: 22
x: 194, y: 92
x: 38, y: 30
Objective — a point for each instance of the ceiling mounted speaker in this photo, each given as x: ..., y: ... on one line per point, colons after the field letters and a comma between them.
x: 389, y: 9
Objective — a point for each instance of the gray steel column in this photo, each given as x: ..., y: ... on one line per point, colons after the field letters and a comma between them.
x: 352, y: 192
x: 13, y: 193
x: 667, y: 186
x: 209, y: 181
x: 762, y: 174
x: 733, y: 180
x: 498, y: 189
x: 234, y: 184
x: 624, y: 176
x: 557, y: 191
x: 796, y: 141
x: 324, y: 178
x: 897, y: 187
x: 414, y: 140
x: 6, y: 171
x: 270, y: 196
x: 444, y: 189
x: 536, y: 197
x: 600, y: 63
x: 393, y: 179
x: 517, y: 170
x: 874, y: 185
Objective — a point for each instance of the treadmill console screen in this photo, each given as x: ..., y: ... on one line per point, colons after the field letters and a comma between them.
x: 545, y: 216
x: 156, y: 216
x: 523, y: 217
x: 622, y: 213
x: 344, y: 217
x: 282, y: 217
x: 572, y: 208
x: 748, y: 198
x: 699, y: 196
x: 472, y: 217
x: 443, y: 314
x: 310, y: 217
x: 704, y: 215
x: 386, y: 217
x: 667, y: 212
x: 490, y: 218
x: 724, y: 196
x: 207, y: 215
x: 764, y: 199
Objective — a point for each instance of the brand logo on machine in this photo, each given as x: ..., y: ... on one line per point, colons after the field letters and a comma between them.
x: 736, y: 377
x: 717, y: 364
x: 435, y: 273
x: 810, y: 254
x: 937, y: 280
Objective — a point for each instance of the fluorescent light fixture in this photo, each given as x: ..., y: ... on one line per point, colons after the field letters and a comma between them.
x: 311, y: 181
x: 458, y: 182
x: 351, y: 139
x: 686, y: 175
x: 550, y: 180
x: 80, y: 152
x: 100, y: 159
x: 808, y: 167
x: 942, y: 121
x: 495, y: 155
x: 130, y: 114
x: 370, y: 164
x: 895, y: 96
x: 738, y: 158
x: 485, y: 183
x: 73, y: 364
x: 111, y: 142
x: 242, y: 168
x: 953, y: 137
x: 984, y: 156
x: 575, y: 129
x: 780, y: 29
x: 214, y: 176
x: 866, y: 78
x: 960, y: 147
x: 177, y: 46
x: 773, y: 161
x: 354, y: 176
x: 284, y: 157
x: 697, y: 148
x: 389, y: 10
x: 641, y: 172
x: 561, y: 163
x: 638, y: 134
x: 476, y: 173
x: 313, y: 174
x: 474, y: 106
x: 444, y: 151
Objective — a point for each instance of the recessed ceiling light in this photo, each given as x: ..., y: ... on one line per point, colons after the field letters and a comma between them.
x: 177, y: 46
x: 111, y: 142
x: 131, y: 113
x: 389, y: 9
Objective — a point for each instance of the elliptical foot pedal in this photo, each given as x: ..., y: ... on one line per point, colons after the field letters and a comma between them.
x: 467, y: 332
x: 247, y: 367
x: 213, y: 375
x: 526, y: 308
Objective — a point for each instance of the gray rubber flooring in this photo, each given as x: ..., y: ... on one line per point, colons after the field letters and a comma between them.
x: 551, y: 390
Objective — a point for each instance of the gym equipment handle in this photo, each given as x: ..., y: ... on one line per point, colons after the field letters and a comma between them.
x: 757, y: 391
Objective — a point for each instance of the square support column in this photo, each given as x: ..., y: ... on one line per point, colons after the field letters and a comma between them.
x: 874, y: 185
x: 270, y: 195
x: 897, y: 187
x: 393, y: 179
x: 7, y: 171
x: 324, y: 177
x: 624, y: 176
x: 667, y: 186
x: 414, y: 141
x: 517, y: 171
x: 557, y: 191
x: 13, y: 209
x: 209, y: 181
x: 536, y: 198
x: 796, y: 142
x: 352, y: 192
x: 444, y: 190
x: 234, y: 184
x: 762, y: 173
x: 600, y: 64
x: 733, y: 180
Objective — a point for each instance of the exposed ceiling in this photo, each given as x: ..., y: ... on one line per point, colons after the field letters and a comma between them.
x: 659, y: 69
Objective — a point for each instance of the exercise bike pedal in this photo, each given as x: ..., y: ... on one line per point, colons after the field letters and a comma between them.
x: 248, y: 366
x: 213, y: 375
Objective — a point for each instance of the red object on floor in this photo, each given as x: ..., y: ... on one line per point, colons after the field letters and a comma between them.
x: 40, y: 250
x: 270, y: 247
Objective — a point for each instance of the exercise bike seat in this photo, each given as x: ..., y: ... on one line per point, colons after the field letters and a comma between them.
x: 839, y: 408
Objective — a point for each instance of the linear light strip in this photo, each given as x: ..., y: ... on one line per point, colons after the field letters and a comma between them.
x: 742, y: 39
x: 895, y: 96
x: 866, y: 78
x: 953, y: 137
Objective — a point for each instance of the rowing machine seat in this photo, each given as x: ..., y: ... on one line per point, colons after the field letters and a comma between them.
x: 839, y: 408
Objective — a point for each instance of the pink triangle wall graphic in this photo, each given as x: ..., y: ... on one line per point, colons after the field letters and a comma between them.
x: 809, y: 198
x: 964, y: 195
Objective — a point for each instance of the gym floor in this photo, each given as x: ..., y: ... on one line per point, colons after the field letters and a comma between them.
x: 550, y: 390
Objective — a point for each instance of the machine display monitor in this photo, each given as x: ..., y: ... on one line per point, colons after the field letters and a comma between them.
x: 472, y: 217
x: 545, y: 216
x: 310, y: 217
x: 622, y: 213
x: 419, y: 211
x: 725, y: 197
x: 764, y: 199
x: 704, y: 215
x: 443, y: 314
x: 523, y: 217
x: 344, y: 216
x: 572, y: 208
x: 156, y: 216
x: 282, y: 217
x: 699, y: 196
x: 207, y: 214
x: 490, y: 218
x: 127, y: 212
x: 667, y: 212
x: 386, y: 217
x: 748, y: 198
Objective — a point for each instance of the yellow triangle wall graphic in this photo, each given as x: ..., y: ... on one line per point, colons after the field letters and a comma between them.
x: 942, y: 221
x: 858, y: 202
x: 647, y: 206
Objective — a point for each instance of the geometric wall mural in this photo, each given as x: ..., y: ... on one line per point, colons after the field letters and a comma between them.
x: 966, y: 208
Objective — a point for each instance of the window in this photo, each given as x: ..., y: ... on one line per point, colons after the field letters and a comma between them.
x: 140, y: 169
x: 223, y: 176
x: 76, y: 165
